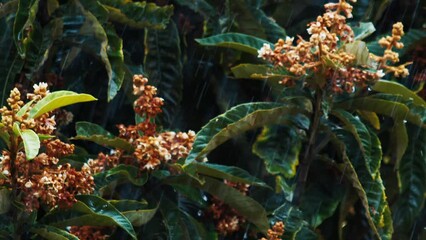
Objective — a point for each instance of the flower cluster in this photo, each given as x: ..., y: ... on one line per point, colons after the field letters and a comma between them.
x: 325, y: 55
x: 276, y: 232
x: 227, y: 219
x: 151, y: 148
x: 41, y: 180
x: 90, y: 232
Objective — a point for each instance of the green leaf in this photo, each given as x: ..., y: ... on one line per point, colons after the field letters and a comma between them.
x: 138, y: 14
x: 95, y: 133
x: 279, y: 148
x: 24, y: 108
x: 412, y: 184
x: 366, y: 139
x: 359, y: 50
x: 116, y: 59
x: 239, y: 119
x: 399, y: 133
x: 56, y: 100
x: 244, y: 205
x: 8, y: 8
x: 231, y: 173
x: 363, y: 30
x: 371, y: 118
x: 390, y: 87
x: 395, y: 110
x: 163, y: 63
x: 25, y: 17
x: 5, y: 202
x: 238, y: 41
x: 50, y: 232
x: 89, y: 211
x: 135, y: 211
x: 31, y: 143
x: 128, y: 173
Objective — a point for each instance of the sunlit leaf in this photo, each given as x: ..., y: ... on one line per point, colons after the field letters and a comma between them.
x: 56, y: 100
x: 31, y: 143
x: 385, y: 86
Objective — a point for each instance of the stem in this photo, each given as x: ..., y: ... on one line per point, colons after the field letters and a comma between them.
x: 309, y: 154
x: 14, y: 176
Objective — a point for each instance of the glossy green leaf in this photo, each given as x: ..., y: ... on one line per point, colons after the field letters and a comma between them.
x: 279, y: 148
x: 57, y: 100
x: 395, y: 110
x: 359, y: 50
x: 95, y: 133
x: 367, y: 140
x: 256, y: 71
x: 24, y: 108
x: 363, y: 30
x: 238, y: 41
x: 399, y: 133
x: 50, y: 233
x: 371, y: 118
x: 163, y: 63
x: 239, y: 119
x: 31, y: 143
x: 138, y: 14
x: 412, y: 184
x: 244, y: 205
x: 390, y: 87
x: 89, y: 211
x: 200, y: 6
x: 231, y: 173
x: 128, y: 173
x: 135, y: 211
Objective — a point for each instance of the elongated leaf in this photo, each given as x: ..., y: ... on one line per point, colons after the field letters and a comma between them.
x: 135, y: 211
x: 385, y: 86
x: 412, y: 175
x: 138, y: 14
x: 56, y: 100
x: 239, y: 119
x: 50, y: 232
x: 116, y: 59
x: 199, y: 6
x: 279, y: 148
x: 89, y: 211
x: 395, y: 110
x: 401, y: 137
x: 31, y: 143
x: 25, y: 16
x: 366, y: 141
x: 371, y: 118
x: 163, y: 63
x: 95, y: 133
x: 245, y: 206
x: 238, y: 41
x: 230, y: 173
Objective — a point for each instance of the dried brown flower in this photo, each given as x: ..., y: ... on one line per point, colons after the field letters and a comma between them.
x: 276, y: 232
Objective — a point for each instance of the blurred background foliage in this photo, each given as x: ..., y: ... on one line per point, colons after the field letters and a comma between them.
x: 96, y: 46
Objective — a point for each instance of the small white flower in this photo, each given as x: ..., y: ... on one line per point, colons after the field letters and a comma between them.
x: 265, y: 50
x: 289, y: 39
x: 309, y: 30
x: 380, y: 73
x: 29, y: 184
x: 322, y: 36
x: 6, y: 172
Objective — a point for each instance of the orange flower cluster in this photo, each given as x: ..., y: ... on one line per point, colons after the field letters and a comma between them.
x: 276, y: 232
x: 89, y: 232
x: 227, y: 219
x: 151, y: 148
x: 41, y: 180
x: 324, y: 56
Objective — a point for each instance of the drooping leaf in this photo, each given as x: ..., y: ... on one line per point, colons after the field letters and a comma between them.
x: 89, y: 211
x: 56, y: 100
x: 279, y: 148
x: 393, y: 109
x: 95, y: 133
x: 412, y: 184
x: 399, y: 133
x: 138, y: 14
x: 366, y: 139
x: 231, y: 173
x: 31, y: 143
x: 244, y: 205
x: 238, y: 41
x: 390, y: 87
x: 51, y: 232
x: 163, y: 63
x: 239, y: 119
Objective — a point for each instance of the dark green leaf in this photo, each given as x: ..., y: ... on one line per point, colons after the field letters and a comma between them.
x: 163, y: 63
x: 238, y: 41
x: 95, y: 133
x: 89, y: 211
x: 24, y: 20
x: 135, y: 211
x: 116, y: 59
x: 390, y: 87
x: 50, y: 233
x: 128, y: 173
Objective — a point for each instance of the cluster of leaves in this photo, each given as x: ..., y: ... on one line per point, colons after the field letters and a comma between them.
x: 97, y: 46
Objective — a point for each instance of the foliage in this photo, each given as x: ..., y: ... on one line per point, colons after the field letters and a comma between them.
x: 326, y: 142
